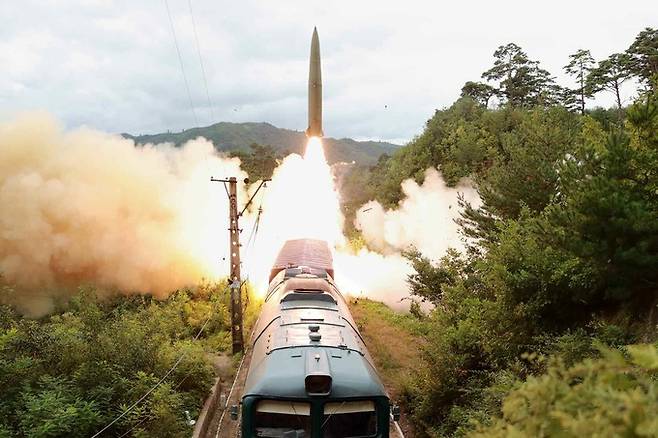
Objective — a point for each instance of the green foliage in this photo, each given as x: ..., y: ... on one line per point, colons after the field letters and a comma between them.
x: 605, y: 215
x: 55, y: 407
x: 611, y: 396
x: 643, y: 54
x: 479, y: 92
x: 523, y: 170
x: 71, y: 373
x: 521, y: 82
x: 259, y: 163
x: 560, y: 253
x: 428, y: 281
x: 580, y: 65
x: 610, y: 74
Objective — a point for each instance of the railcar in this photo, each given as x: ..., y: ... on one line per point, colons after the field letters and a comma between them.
x: 310, y: 374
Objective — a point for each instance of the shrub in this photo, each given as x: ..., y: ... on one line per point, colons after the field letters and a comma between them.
x: 616, y: 395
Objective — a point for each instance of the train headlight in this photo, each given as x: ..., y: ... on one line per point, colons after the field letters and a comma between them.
x: 318, y: 375
x: 317, y: 384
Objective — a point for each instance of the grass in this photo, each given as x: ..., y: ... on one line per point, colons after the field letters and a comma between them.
x: 395, y: 341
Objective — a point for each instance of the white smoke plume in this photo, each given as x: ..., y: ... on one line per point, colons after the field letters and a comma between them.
x: 424, y: 219
x: 84, y: 206
x: 88, y: 207
x: 369, y: 274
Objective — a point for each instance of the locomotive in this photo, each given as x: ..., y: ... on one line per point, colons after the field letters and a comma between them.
x: 310, y: 374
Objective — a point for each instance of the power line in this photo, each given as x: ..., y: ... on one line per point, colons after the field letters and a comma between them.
x: 146, y: 418
x: 254, y: 228
x: 203, y: 70
x: 180, y: 60
x: 171, y: 370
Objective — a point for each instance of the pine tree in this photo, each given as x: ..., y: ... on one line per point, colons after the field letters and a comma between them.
x: 609, y: 75
x: 643, y: 57
x: 479, y: 92
x: 521, y: 82
x: 580, y: 65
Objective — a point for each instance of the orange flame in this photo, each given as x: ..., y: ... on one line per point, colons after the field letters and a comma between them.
x: 300, y: 202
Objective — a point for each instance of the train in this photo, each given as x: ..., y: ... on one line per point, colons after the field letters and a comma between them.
x: 310, y: 373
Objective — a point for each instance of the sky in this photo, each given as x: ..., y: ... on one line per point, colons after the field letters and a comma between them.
x: 386, y: 65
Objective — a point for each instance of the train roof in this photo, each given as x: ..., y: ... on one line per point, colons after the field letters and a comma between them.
x: 305, y: 328
x: 304, y: 252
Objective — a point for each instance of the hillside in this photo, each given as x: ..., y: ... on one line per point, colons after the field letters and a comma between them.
x: 546, y: 325
x: 238, y: 136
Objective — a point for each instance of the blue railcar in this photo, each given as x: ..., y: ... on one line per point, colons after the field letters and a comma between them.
x: 310, y: 374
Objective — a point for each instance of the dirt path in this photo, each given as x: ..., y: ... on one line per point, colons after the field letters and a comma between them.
x: 395, y: 344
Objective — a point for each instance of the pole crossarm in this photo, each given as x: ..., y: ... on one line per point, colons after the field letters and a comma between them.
x: 262, y: 184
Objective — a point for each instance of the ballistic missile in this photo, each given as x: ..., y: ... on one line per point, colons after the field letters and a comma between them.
x: 315, y: 90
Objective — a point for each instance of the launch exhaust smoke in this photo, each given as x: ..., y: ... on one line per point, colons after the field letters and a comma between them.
x: 83, y: 206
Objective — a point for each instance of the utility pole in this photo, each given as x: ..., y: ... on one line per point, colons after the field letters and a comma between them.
x: 234, y: 275
x: 234, y: 280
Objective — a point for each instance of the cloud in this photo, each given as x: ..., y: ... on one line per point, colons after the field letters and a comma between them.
x: 387, y: 66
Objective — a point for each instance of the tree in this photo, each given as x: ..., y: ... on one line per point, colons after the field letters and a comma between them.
x: 643, y: 57
x: 524, y: 173
x: 605, y: 208
x: 609, y: 396
x: 259, y: 163
x: 580, y: 65
x: 609, y: 75
x: 479, y: 92
x: 521, y: 81
x: 428, y: 281
x: 568, y: 99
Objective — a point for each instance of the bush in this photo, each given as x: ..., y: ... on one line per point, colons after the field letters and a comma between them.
x: 612, y: 396
x: 71, y: 373
x: 566, y: 251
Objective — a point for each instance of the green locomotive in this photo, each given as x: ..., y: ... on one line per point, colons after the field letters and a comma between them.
x: 310, y: 374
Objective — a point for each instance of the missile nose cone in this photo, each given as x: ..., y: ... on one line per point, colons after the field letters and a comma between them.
x: 315, y: 89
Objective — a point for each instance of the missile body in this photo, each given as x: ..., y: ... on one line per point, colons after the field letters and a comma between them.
x: 315, y: 90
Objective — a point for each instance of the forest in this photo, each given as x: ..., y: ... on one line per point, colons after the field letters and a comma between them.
x: 74, y: 372
x: 546, y: 325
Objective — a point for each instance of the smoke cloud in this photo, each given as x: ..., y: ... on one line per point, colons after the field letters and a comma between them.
x: 88, y: 207
x: 84, y: 206
x: 424, y: 219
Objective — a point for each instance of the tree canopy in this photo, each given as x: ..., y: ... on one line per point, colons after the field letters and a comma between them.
x: 547, y: 321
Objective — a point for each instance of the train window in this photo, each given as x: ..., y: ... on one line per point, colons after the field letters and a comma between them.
x: 308, y: 296
x: 349, y: 419
x: 282, y: 419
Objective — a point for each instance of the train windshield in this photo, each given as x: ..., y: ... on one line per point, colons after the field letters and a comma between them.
x: 349, y: 419
x: 282, y: 419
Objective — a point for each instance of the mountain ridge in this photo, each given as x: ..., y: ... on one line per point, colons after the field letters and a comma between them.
x: 229, y: 136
